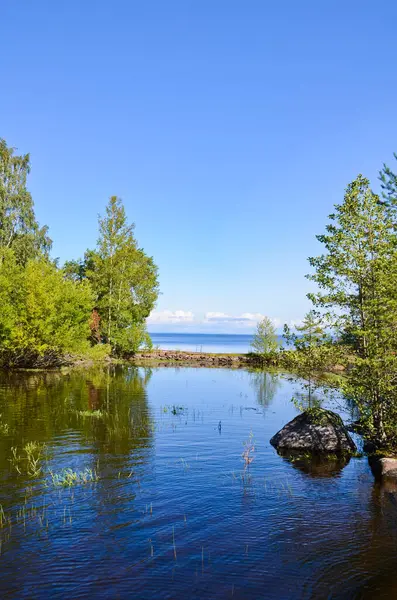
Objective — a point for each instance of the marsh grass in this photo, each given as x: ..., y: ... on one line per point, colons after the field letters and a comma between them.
x: 30, y: 461
x: 93, y: 414
x: 248, y: 452
x: 5, y: 521
x: 279, y: 488
x: 4, y: 428
x: 69, y: 478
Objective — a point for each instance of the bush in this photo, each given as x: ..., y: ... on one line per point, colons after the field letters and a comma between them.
x: 43, y: 316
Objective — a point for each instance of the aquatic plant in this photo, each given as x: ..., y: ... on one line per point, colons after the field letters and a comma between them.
x: 28, y: 463
x: 69, y: 478
x: 4, y: 520
x: 4, y: 428
x: 34, y: 453
x: 249, y: 449
x: 95, y: 414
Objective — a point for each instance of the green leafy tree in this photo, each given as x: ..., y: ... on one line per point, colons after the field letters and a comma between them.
x: 19, y: 229
x: 124, y: 280
x: 265, y: 342
x: 357, y: 277
x: 46, y: 314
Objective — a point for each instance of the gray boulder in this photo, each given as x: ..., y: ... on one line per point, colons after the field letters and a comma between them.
x: 383, y: 466
x: 316, y: 430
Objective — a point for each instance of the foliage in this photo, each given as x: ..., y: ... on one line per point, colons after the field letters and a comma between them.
x: 124, y: 280
x: 19, y: 229
x: 44, y: 314
x: 313, y: 353
x: 265, y: 342
x: 357, y: 277
x: 100, y: 352
x: 389, y: 186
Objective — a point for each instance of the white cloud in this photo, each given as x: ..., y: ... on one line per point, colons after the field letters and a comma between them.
x: 169, y: 316
x: 210, y: 321
x: 247, y: 318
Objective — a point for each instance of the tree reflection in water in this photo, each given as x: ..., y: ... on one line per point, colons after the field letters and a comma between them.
x: 265, y: 384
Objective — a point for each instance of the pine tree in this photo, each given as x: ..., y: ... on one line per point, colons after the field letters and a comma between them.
x: 357, y: 277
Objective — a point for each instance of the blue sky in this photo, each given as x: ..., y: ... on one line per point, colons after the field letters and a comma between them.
x: 229, y: 129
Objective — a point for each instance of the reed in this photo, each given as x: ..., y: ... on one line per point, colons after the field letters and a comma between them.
x: 69, y: 478
x: 249, y: 449
x: 4, y: 428
x: 34, y: 453
x: 93, y: 414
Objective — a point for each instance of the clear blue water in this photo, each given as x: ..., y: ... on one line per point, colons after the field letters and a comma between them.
x: 203, y: 342
x: 172, y: 513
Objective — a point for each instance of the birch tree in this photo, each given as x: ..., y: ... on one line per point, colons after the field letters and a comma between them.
x: 19, y: 229
x: 124, y: 280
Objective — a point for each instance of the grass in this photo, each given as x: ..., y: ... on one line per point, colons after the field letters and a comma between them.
x: 94, y: 414
x: 29, y: 462
x: 34, y: 453
x: 4, y: 428
x: 249, y: 449
x: 69, y: 478
x: 4, y: 520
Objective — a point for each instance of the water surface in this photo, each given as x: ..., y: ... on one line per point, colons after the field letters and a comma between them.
x: 203, y: 342
x: 171, y: 512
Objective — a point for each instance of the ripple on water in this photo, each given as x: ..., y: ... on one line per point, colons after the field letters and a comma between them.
x: 171, y: 512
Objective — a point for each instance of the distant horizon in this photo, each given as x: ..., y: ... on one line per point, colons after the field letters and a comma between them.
x: 198, y: 333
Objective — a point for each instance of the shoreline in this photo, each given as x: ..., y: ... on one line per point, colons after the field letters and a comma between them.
x: 200, y: 359
x: 169, y: 358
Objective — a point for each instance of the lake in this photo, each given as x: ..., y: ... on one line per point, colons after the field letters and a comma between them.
x: 160, y: 504
x: 203, y: 342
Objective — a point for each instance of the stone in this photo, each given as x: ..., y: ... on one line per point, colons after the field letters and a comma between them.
x: 383, y: 466
x: 315, y: 431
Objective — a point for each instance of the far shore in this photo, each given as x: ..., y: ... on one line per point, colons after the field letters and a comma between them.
x: 170, y: 358
x: 203, y: 359
x: 207, y: 359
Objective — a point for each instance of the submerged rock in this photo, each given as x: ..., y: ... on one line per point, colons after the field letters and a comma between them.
x: 315, y: 431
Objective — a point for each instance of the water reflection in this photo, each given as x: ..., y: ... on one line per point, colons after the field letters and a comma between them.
x: 265, y: 385
x: 316, y: 465
x: 170, y: 515
x: 107, y: 408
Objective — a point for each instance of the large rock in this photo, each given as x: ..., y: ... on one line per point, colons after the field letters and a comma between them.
x: 315, y: 431
x: 383, y: 466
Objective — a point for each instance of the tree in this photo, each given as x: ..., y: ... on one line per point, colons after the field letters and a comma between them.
x: 124, y: 280
x: 19, y: 229
x: 44, y: 315
x: 388, y: 181
x: 357, y: 277
x: 265, y: 341
x: 312, y: 345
